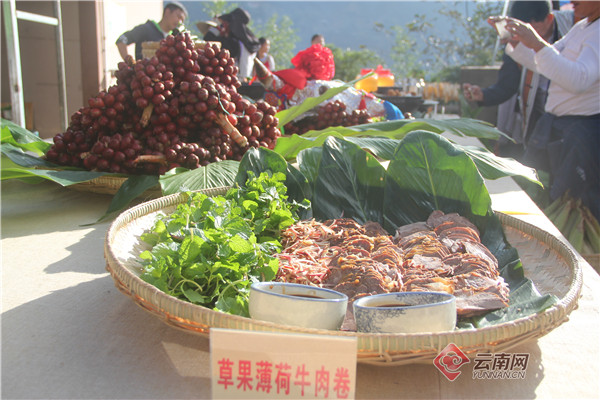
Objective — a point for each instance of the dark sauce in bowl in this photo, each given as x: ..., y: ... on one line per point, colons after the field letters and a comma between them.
x: 309, y: 296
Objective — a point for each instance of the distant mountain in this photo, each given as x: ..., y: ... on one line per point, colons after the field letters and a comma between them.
x: 345, y: 24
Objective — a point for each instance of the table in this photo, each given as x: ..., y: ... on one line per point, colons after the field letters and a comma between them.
x: 67, y: 332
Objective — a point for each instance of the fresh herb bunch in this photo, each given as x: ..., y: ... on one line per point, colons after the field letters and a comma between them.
x: 211, y: 249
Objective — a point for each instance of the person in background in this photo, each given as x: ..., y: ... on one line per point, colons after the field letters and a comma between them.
x: 174, y: 13
x: 235, y: 36
x: 566, y: 138
x: 317, y: 39
x: 519, y: 92
x: 263, y: 54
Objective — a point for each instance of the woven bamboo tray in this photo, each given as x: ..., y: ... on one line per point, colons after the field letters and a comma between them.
x: 111, y: 185
x: 548, y: 262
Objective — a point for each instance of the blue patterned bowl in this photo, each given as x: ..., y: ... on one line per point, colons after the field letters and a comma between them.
x: 298, y: 305
x: 405, y: 312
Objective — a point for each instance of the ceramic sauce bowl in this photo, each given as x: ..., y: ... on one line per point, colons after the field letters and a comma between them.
x: 405, y: 312
x: 298, y: 305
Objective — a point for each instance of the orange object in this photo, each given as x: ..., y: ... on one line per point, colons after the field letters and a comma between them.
x: 368, y: 84
x: 382, y: 77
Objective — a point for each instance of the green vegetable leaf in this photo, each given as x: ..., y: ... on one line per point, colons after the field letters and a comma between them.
x: 63, y: 178
x: 193, y: 296
x: 207, y: 251
x: 260, y: 160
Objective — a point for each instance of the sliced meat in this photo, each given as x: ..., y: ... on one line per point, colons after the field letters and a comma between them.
x: 470, y: 304
x: 443, y: 254
x: 409, y: 241
x: 434, y: 264
x: 374, y: 229
x: 434, y: 284
x: 438, y: 217
x: 407, y: 230
x: 450, y: 230
x: 478, y: 249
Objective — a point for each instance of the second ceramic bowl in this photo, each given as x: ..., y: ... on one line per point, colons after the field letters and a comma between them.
x: 405, y: 312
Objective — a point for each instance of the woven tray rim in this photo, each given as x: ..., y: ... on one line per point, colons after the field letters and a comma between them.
x: 378, y: 349
x: 110, y: 185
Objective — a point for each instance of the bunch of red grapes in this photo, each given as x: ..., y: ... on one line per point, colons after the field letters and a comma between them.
x: 178, y: 108
x: 331, y: 114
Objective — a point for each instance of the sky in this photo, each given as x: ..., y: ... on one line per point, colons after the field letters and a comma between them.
x: 346, y: 24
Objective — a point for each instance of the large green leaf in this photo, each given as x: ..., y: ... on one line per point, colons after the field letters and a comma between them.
x: 489, y: 165
x: 211, y: 176
x: 63, y: 178
x: 309, y: 161
x: 294, y: 112
x: 290, y: 146
x: 22, y: 138
x: 132, y: 188
x: 428, y: 173
x: 349, y: 183
x: 19, y: 157
x: 397, y: 129
x: 493, y: 167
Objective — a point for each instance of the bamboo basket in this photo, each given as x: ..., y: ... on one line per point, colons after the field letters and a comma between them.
x: 111, y: 185
x: 548, y: 262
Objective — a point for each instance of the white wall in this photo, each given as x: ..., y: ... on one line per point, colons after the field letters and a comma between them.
x: 119, y: 17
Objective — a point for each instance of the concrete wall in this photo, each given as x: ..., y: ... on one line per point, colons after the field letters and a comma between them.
x: 39, y: 64
x: 90, y: 29
x: 119, y: 17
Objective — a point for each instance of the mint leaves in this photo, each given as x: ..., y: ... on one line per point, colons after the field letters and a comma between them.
x: 211, y: 249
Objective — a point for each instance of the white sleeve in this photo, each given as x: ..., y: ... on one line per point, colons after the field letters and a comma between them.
x: 246, y: 62
x: 522, y: 55
x: 574, y: 75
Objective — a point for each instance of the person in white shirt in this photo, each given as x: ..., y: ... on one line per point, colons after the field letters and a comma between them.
x: 566, y: 139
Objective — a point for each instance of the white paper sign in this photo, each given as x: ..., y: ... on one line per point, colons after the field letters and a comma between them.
x: 265, y: 365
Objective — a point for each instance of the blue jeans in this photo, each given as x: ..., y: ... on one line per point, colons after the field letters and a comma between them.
x: 569, y: 149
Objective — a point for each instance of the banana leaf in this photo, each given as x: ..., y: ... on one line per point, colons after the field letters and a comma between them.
x: 427, y: 172
x: 211, y: 176
x: 397, y: 129
x: 290, y: 146
x: 23, y: 166
x: 132, y: 188
x: 22, y: 138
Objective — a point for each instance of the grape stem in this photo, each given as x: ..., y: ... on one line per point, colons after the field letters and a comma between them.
x: 146, y: 114
x: 231, y: 130
x: 151, y: 158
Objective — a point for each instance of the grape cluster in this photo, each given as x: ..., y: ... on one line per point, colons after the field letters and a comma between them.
x: 179, y: 108
x: 331, y: 114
